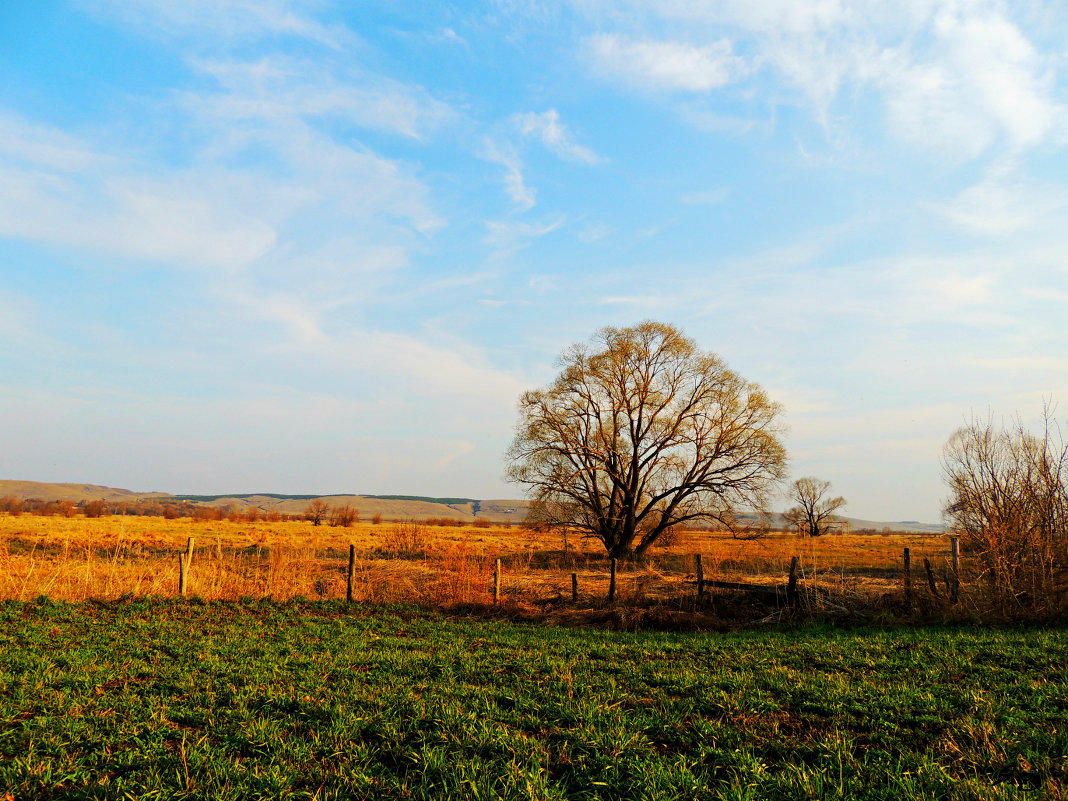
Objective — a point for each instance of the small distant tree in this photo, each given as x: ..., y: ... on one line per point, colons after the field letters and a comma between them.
x: 377, y: 519
x: 344, y: 516
x: 814, y: 508
x: 317, y: 511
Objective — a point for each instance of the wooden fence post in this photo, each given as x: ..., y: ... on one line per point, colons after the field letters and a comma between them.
x: 700, y: 569
x: 574, y: 587
x: 612, y: 583
x: 497, y: 581
x: 930, y: 576
x: 352, y: 573
x: 908, y: 575
x: 791, y: 585
x: 185, y: 562
x: 954, y: 591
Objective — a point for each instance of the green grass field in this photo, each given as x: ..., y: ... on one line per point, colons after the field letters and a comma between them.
x: 164, y: 699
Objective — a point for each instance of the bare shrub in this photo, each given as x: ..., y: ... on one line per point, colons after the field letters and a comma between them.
x: 344, y: 516
x: 669, y: 538
x: 376, y: 520
x: 205, y: 512
x: 12, y: 505
x: 1009, y: 505
x: 97, y: 508
x: 482, y: 524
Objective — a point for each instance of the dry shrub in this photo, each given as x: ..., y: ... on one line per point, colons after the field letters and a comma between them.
x: 95, y: 508
x: 669, y: 537
x: 482, y: 524
x: 54, y: 508
x: 376, y: 520
x: 1009, y: 503
x: 443, y: 521
x: 344, y: 516
x: 408, y: 538
x: 463, y: 577
x: 204, y: 512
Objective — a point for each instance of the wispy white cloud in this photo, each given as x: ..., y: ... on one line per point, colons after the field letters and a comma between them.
x: 514, y: 184
x: 551, y: 132
x: 667, y: 65
x: 1003, y: 204
x: 174, y: 221
x: 277, y: 89
x: 957, y: 78
x: 509, y: 236
x: 223, y: 19
x: 205, y: 216
x: 595, y: 232
x: 23, y: 142
x: 984, y: 80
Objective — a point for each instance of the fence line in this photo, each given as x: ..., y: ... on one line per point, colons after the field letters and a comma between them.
x: 281, y: 571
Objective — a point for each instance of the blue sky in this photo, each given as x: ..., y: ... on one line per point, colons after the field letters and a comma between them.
x: 322, y: 247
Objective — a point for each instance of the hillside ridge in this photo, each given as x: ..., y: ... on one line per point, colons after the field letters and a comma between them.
x: 415, y: 507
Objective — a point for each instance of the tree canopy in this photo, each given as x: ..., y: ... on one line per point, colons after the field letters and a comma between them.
x: 640, y: 432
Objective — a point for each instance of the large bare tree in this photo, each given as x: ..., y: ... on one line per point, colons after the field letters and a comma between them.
x: 640, y: 432
x: 813, y: 507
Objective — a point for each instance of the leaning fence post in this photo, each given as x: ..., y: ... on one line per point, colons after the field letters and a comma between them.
x: 791, y: 585
x: 700, y: 569
x: 908, y: 575
x: 930, y: 576
x: 352, y: 573
x: 574, y: 587
x: 955, y: 589
x: 612, y: 582
x: 497, y: 581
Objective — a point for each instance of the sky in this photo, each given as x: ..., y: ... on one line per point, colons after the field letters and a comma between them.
x: 322, y: 247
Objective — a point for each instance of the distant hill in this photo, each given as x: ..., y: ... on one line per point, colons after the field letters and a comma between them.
x: 391, y: 507
x: 26, y: 490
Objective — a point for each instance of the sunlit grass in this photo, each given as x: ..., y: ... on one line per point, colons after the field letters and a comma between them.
x: 79, y: 558
x: 169, y: 699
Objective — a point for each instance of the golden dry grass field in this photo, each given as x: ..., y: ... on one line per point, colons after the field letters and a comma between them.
x: 80, y: 558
